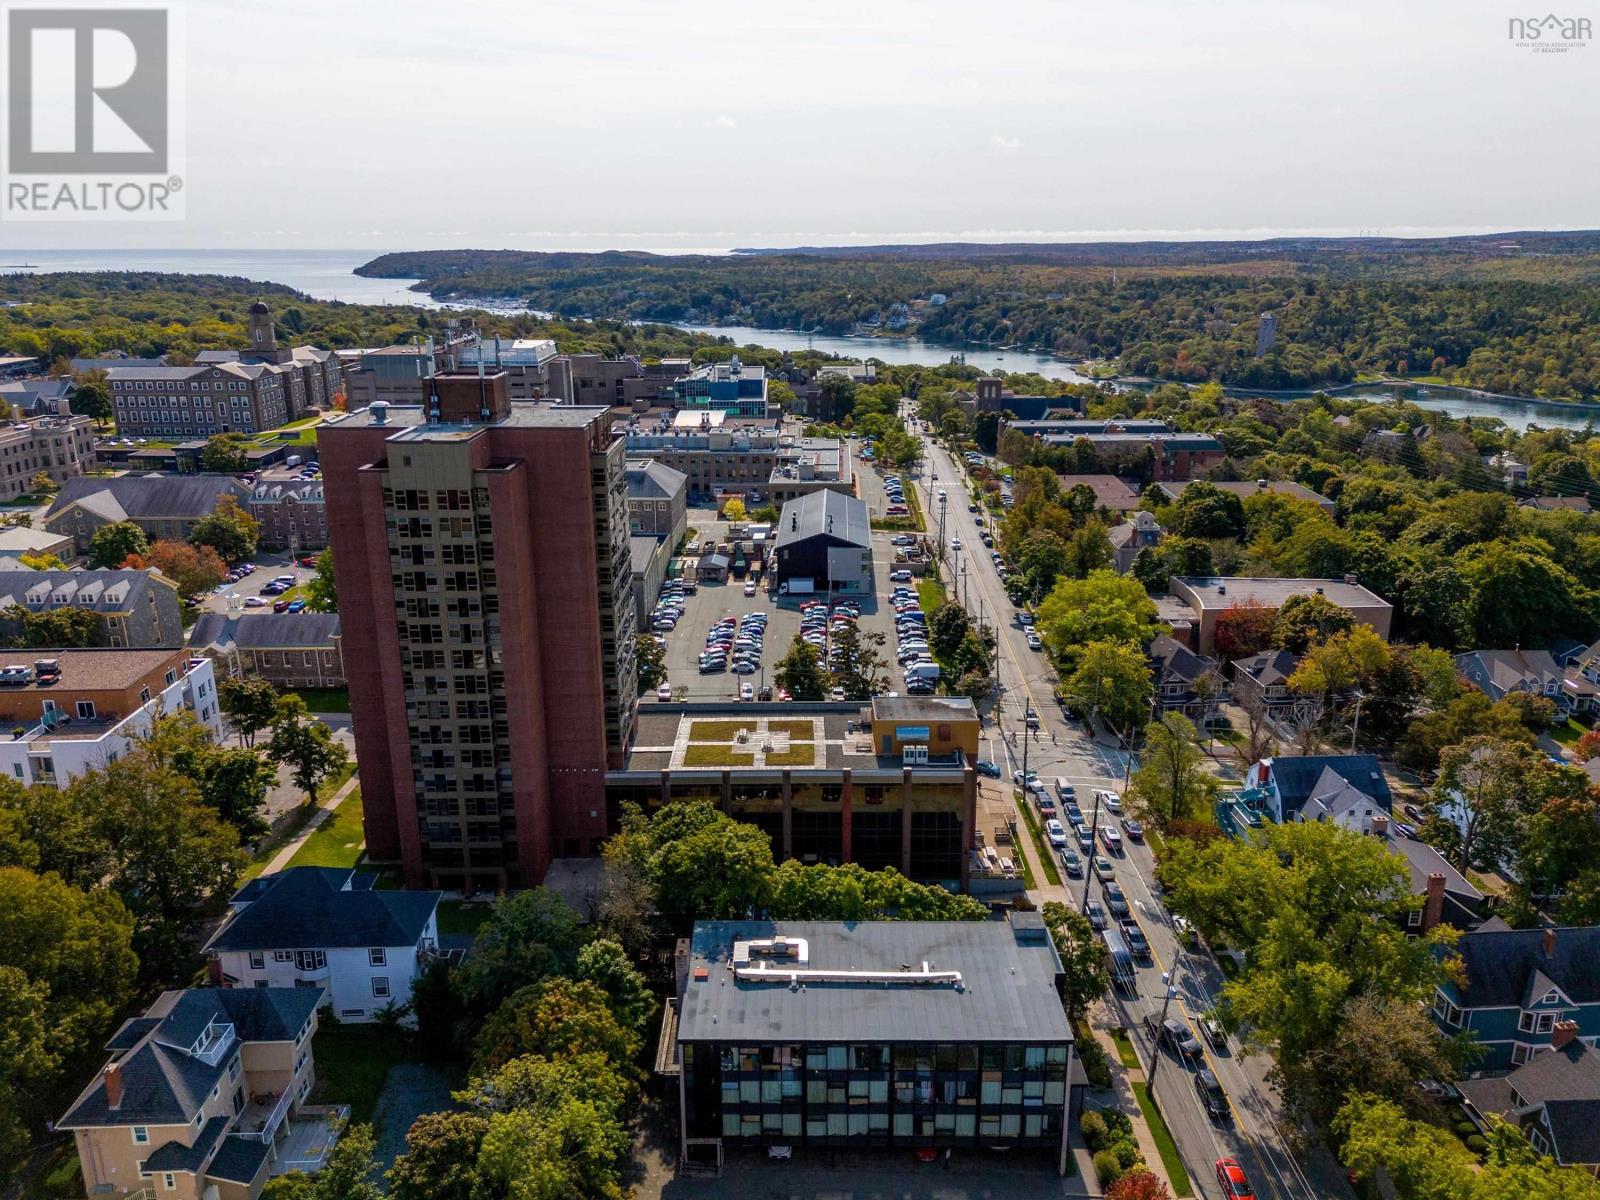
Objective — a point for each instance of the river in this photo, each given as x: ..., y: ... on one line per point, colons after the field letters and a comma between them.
x: 330, y: 275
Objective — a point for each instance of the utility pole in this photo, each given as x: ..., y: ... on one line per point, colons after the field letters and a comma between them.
x: 1356, y: 728
x: 1088, y: 867
x: 942, y: 501
x: 1027, y: 711
x: 1167, y: 978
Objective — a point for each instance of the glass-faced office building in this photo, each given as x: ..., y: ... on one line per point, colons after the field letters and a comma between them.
x: 938, y: 1034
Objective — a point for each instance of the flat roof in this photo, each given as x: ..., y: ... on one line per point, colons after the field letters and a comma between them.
x: 91, y: 670
x: 1006, y: 992
x: 923, y: 708
x: 410, y: 422
x: 1210, y: 591
x: 839, y: 734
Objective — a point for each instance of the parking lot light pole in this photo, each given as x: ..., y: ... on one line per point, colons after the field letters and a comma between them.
x: 1155, y: 1042
x: 943, y: 500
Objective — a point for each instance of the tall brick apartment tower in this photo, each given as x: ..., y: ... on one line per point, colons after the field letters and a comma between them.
x: 484, y: 579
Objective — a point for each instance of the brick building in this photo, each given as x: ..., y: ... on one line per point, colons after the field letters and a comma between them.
x: 491, y: 677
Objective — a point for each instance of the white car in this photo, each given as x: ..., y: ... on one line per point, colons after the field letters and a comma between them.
x: 899, y: 576
x: 1111, y: 801
x: 1033, y: 641
x: 1057, y: 834
x: 746, y: 692
x: 254, y: 602
x: 750, y: 587
x: 664, y: 692
x: 955, y: 543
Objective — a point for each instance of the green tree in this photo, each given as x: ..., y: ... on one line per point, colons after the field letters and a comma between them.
x: 113, y: 544
x: 305, y: 746
x: 1520, y: 597
x: 1086, y: 974
x: 42, y: 484
x: 92, y: 399
x: 228, y: 529
x: 859, y: 667
x: 553, y: 1018
x: 1112, y: 681
x: 61, y: 628
x: 169, y: 852
x: 850, y: 892
x: 27, y: 1062
x: 349, y: 1169
x: 947, y: 627
x: 986, y: 431
x: 800, y: 671
x: 225, y: 454
x: 568, y: 1153
x: 322, y: 589
x: 1206, y: 511
x: 250, y: 703
x: 1102, y: 607
x: 529, y: 936
x: 232, y: 781
x: 1320, y: 912
x: 538, y: 1083
x: 650, y: 662
x: 1172, y: 782
x: 441, y: 1158
x: 605, y: 964
x: 1305, y: 620
x: 718, y: 871
x: 1043, y: 558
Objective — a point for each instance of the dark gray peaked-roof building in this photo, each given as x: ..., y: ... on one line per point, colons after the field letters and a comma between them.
x: 147, y: 497
x: 1504, y: 967
x: 264, y: 631
x: 325, y: 908
x: 825, y: 514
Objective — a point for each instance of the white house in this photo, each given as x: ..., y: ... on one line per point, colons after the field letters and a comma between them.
x: 327, y: 927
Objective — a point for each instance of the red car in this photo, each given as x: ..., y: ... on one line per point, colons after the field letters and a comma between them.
x: 1231, y: 1176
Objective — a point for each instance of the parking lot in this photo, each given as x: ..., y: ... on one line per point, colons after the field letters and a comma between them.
x: 713, y: 601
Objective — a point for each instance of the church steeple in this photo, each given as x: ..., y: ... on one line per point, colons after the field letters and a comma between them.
x: 263, y: 333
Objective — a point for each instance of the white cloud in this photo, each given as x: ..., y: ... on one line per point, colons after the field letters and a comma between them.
x: 1007, y: 143
x: 723, y: 121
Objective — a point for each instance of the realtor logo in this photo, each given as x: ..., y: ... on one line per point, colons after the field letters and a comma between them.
x: 91, y: 114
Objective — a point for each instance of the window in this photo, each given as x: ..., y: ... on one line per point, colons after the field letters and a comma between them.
x: 1414, y: 917
x: 310, y: 960
x: 380, y: 986
x: 258, y: 960
x: 377, y: 957
x: 283, y: 956
x: 141, y: 1135
x: 168, y: 1181
x: 86, y: 709
x: 1445, y: 1011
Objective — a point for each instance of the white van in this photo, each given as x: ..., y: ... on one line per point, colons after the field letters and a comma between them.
x: 1064, y: 790
x: 926, y: 671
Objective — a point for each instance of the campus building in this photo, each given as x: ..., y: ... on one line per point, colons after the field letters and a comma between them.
x: 60, y: 447
x: 491, y: 676
x: 844, y: 1035
x: 1210, y: 597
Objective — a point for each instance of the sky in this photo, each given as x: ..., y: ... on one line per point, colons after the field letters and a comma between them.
x: 705, y: 124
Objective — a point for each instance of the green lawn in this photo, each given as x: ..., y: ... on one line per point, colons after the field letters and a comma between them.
x: 352, y: 1063
x: 799, y: 754
x: 325, y: 700
x: 717, y: 731
x: 930, y: 593
x: 705, y: 755
x: 1568, y: 732
x: 1170, y: 1158
x: 1047, y: 856
x: 337, y: 841
x: 1125, y: 1050
x: 463, y: 916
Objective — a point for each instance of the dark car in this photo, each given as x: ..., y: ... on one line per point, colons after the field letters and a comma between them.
x: 1138, y: 944
x: 1096, y: 913
x: 1071, y: 863
x: 985, y: 767
x: 1115, y: 900
x: 1214, y: 1032
x: 1176, y: 1035
x: 1133, y: 829
x: 1212, y: 1098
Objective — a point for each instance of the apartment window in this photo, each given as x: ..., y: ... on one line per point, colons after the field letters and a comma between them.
x: 1414, y: 917
x: 377, y: 957
x: 283, y: 956
x: 310, y: 960
x: 141, y: 1135
x: 86, y: 709
x: 380, y: 985
x: 258, y: 960
x: 1445, y: 1011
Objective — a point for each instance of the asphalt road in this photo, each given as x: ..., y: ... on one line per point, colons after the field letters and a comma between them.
x: 1061, y: 748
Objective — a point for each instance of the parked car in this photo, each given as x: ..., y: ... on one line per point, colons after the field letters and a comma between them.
x: 900, y: 575
x: 1133, y: 828
x: 1096, y: 913
x: 746, y: 692
x: 1115, y: 900
x: 1033, y: 641
x: 1071, y: 863
x: 1103, y: 869
x: 989, y: 769
x: 1055, y: 832
x: 750, y: 587
x: 280, y: 606
x: 1212, y: 1098
x: 297, y: 606
x: 664, y: 692
x: 254, y: 602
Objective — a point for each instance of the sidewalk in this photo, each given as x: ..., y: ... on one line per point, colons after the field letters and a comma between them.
x: 280, y: 860
x: 1122, y: 1081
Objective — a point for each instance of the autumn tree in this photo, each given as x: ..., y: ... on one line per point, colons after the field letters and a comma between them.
x: 194, y: 568
x: 228, y: 529
x: 1244, y: 629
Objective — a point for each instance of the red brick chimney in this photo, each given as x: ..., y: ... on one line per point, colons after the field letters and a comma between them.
x: 1562, y: 1034
x: 1549, y: 940
x: 113, y: 1085
x: 1433, y: 902
x: 1380, y: 825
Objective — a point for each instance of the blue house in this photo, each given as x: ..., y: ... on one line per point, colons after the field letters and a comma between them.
x: 1519, y: 984
x: 1322, y: 783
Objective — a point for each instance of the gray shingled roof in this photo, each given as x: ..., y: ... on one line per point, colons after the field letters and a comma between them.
x: 1176, y: 661
x: 164, y: 1085
x: 1298, y: 777
x: 1008, y: 993
x: 151, y: 497
x: 105, y: 591
x: 306, y: 908
x: 1268, y: 668
x: 238, y: 1160
x: 649, y: 479
x: 265, y: 631
x: 1498, y: 964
